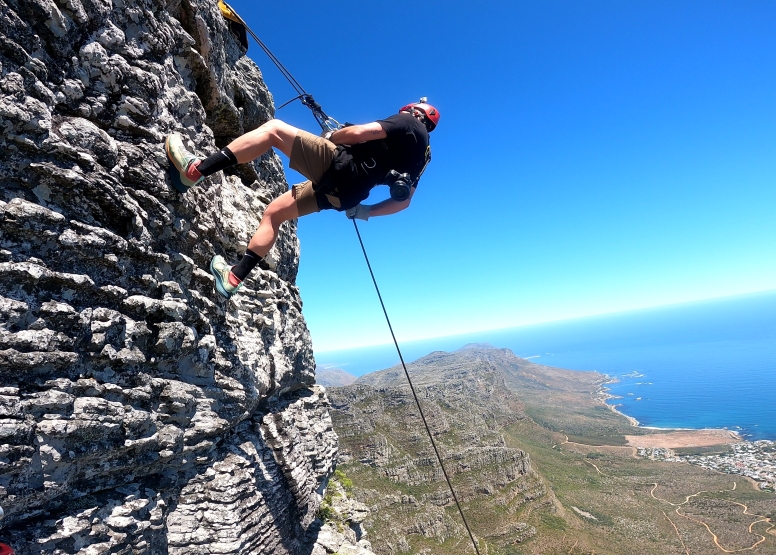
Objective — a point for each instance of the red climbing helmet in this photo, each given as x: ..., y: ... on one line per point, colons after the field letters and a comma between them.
x: 430, y: 114
x: 6, y: 549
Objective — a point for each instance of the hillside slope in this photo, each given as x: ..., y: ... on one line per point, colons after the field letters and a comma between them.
x: 333, y: 377
x: 387, y: 454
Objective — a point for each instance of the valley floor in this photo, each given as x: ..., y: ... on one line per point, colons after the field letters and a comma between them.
x: 611, y: 502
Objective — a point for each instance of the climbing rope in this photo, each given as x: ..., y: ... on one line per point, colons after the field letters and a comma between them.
x: 331, y: 124
x: 414, y: 394
x: 326, y: 122
x: 234, y: 16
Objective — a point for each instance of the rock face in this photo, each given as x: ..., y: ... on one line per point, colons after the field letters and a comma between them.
x: 139, y: 412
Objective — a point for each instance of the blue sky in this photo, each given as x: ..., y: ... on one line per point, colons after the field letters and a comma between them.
x: 592, y: 157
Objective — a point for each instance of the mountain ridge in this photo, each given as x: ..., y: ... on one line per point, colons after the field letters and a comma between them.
x: 333, y: 377
x: 478, y: 461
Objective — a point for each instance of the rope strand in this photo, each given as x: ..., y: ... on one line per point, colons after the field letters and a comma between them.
x: 302, y: 93
x: 287, y: 74
x: 414, y: 394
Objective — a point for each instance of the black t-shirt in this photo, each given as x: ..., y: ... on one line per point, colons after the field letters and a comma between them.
x: 358, y: 168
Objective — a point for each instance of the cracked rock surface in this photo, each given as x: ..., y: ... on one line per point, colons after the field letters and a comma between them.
x: 139, y: 411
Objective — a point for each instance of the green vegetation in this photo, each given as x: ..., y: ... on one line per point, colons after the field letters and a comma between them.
x: 344, y: 481
x: 552, y: 522
x: 338, y: 483
x: 505, y: 550
x: 618, y: 440
x: 326, y: 513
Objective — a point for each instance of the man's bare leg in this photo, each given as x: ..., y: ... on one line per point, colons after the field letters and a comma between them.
x: 274, y: 133
x: 229, y: 278
x: 280, y: 210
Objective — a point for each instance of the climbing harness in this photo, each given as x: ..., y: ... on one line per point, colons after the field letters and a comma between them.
x: 330, y: 124
x: 415, y: 395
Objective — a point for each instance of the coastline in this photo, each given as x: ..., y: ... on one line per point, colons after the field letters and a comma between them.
x: 669, y: 438
x: 604, y: 395
x: 716, y: 449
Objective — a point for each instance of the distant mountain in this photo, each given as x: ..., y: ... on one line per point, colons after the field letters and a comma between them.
x: 385, y: 450
x: 546, y: 392
x: 333, y: 377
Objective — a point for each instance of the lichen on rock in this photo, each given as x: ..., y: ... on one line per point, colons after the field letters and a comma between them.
x: 139, y: 412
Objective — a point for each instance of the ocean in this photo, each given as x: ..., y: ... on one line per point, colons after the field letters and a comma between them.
x: 709, y: 364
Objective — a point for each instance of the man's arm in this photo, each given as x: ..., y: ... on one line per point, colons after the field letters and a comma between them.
x: 390, y: 206
x: 355, y: 134
x: 382, y: 208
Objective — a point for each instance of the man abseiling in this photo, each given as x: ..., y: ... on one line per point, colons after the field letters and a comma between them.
x: 341, y: 169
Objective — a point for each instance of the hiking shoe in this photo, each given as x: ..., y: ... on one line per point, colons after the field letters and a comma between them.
x: 183, y: 161
x: 220, y: 270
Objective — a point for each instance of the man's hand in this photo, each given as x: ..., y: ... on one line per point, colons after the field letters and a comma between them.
x: 359, y: 212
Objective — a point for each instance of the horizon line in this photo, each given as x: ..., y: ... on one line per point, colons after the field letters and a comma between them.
x: 541, y: 322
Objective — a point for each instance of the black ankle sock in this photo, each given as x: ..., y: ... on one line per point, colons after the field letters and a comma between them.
x: 249, y: 261
x: 217, y: 162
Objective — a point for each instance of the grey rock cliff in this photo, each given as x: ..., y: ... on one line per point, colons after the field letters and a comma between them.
x: 139, y: 412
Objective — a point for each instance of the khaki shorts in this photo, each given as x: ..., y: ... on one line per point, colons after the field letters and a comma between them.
x: 306, y: 201
x: 311, y: 156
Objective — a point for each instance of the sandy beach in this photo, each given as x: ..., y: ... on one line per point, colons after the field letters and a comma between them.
x: 684, y: 438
